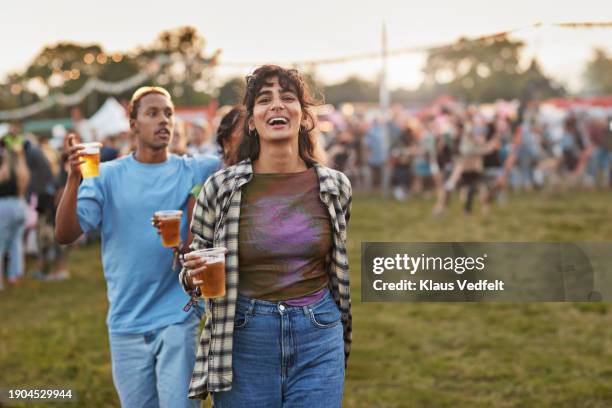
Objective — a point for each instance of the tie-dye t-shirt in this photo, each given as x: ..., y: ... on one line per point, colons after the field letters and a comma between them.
x: 284, y: 236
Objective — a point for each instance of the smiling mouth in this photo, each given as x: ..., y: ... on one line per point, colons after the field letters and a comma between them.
x: 163, y: 132
x: 278, y: 121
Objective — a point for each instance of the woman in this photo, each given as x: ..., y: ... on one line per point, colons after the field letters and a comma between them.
x: 229, y: 134
x: 14, y: 179
x: 281, y: 334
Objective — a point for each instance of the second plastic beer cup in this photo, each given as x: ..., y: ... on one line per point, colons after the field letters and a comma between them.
x: 214, y: 276
x: 91, y: 156
x: 170, y: 227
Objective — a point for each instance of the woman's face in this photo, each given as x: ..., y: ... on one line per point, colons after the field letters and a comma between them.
x: 277, y: 113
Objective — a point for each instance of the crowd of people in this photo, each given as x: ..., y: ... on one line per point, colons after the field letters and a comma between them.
x: 480, y: 151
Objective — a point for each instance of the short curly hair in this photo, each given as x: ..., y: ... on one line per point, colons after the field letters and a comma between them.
x: 141, y: 93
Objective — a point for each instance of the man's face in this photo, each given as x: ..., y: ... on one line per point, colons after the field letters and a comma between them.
x: 155, y: 121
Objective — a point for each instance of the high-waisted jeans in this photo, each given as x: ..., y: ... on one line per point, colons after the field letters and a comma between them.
x: 286, y: 356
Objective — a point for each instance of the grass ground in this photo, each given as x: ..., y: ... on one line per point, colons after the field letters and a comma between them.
x: 404, y: 354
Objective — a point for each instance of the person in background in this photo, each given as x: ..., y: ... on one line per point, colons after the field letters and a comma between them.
x: 376, y: 154
x: 152, y: 340
x: 109, y: 150
x: 201, y: 141
x: 61, y: 270
x: 342, y: 153
x: 576, y: 149
x: 48, y: 249
x: 492, y: 161
x: 14, y: 180
x: 178, y: 144
x: 402, y: 153
x: 229, y: 134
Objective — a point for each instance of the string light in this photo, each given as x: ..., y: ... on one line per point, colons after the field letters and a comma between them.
x: 16, y: 89
x: 101, y: 58
x: 499, y: 36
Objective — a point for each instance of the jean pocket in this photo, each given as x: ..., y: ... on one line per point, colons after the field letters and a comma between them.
x: 241, y: 319
x: 325, y: 316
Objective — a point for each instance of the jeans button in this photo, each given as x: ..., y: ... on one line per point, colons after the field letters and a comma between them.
x: 281, y: 308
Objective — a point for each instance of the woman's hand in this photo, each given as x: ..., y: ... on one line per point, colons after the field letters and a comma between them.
x: 195, y: 266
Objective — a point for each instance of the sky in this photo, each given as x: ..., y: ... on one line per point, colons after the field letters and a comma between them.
x: 282, y: 32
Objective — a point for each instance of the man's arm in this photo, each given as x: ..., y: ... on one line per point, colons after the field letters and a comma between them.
x: 67, y: 227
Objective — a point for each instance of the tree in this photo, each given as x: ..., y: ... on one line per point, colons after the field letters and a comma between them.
x: 230, y: 93
x: 65, y: 67
x: 482, y: 70
x: 187, y: 76
x: 598, y: 74
x: 535, y: 85
x: 354, y: 89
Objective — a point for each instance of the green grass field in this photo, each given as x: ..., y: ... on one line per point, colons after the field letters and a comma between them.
x: 404, y: 354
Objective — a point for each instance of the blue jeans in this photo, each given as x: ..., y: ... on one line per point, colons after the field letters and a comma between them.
x: 154, y: 369
x: 600, y: 161
x: 286, y: 356
x: 12, y: 224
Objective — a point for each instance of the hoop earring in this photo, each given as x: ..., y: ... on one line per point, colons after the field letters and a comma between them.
x: 253, y: 133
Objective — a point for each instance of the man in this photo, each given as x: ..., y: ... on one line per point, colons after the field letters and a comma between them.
x: 377, y: 155
x: 152, y: 340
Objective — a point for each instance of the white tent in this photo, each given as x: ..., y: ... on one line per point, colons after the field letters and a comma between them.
x: 4, y: 129
x: 109, y: 120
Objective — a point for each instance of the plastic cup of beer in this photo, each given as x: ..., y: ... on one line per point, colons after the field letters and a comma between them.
x: 214, y: 275
x: 91, y: 156
x: 170, y: 227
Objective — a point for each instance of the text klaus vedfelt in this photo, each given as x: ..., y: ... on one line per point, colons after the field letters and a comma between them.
x: 414, y: 264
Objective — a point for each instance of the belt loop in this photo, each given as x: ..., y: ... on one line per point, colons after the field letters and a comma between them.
x: 251, y: 307
x: 306, y: 310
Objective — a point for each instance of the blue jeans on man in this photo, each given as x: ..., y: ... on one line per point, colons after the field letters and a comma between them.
x: 139, y: 359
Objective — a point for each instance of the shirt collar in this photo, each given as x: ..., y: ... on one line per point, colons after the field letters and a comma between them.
x: 244, y: 170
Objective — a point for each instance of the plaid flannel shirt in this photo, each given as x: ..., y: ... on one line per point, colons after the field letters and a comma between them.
x: 215, y: 223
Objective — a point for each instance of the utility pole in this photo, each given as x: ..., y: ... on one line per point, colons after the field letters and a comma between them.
x: 384, y: 109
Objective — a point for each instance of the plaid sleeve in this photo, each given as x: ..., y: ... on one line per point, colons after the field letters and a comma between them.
x: 346, y: 196
x: 202, y: 226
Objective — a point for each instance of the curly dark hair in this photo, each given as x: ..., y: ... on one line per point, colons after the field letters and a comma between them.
x: 228, y: 124
x: 288, y: 79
